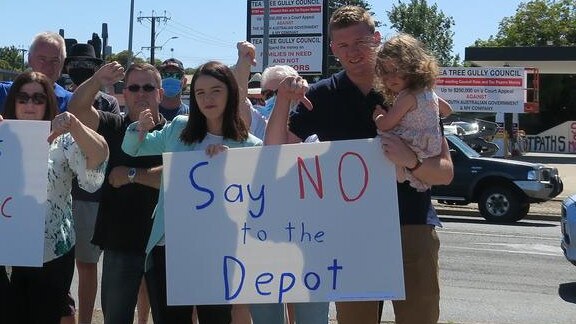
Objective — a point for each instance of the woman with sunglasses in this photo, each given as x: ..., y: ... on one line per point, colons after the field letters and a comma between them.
x: 39, y: 295
x: 214, y: 124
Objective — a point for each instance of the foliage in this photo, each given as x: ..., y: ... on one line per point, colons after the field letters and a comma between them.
x: 537, y: 23
x: 11, y: 58
x: 123, y: 57
x: 430, y: 25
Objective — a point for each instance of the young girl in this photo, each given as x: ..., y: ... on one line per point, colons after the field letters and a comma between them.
x: 407, y: 74
x: 214, y: 124
x: 39, y: 295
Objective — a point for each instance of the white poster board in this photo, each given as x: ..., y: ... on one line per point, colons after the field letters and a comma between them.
x: 295, y: 34
x: 483, y: 89
x: 558, y: 139
x: 301, y: 53
x: 289, y: 223
x: 24, y: 174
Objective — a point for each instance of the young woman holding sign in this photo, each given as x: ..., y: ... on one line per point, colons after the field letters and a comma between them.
x: 214, y: 125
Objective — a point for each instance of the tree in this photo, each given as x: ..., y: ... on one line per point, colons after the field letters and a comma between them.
x: 428, y: 24
x: 11, y: 58
x: 537, y: 23
x: 123, y: 57
x: 543, y: 23
x: 333, y: 65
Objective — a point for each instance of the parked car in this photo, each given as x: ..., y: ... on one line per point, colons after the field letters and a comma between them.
x: 503, y: 189
x: 478, y: 134
x: 568, y: 227
x: 468, y: 127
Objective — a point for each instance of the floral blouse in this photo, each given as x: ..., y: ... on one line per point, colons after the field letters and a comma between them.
x: 65, y: 161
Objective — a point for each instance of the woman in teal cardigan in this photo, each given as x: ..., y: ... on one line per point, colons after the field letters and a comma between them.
x: 214, y: 125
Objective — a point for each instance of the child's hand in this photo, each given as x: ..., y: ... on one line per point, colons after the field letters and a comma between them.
x: 214, y: 149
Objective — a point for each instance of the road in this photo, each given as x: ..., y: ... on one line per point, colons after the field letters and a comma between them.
x: 500, y: 273
x: 505, y: 273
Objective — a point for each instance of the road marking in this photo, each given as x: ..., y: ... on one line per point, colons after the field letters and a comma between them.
x: 500, y: 235
x: 523, y: 251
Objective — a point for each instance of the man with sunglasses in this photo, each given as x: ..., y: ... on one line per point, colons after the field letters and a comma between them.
x: 130, y: 193
x: 173, y: 82
x: 46, y: 55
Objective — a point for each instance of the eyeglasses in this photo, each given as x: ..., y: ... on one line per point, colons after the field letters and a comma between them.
x: 267, y: 93
x: 136, y: 87
x: 38, y: 98
x: 170, y: 74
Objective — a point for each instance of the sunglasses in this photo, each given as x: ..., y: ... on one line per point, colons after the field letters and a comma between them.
x: 38, y: 98
x: 136, y: 87
x: 267, y: 93
x: 175, y: 75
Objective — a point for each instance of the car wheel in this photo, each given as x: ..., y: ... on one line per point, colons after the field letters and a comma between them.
x: 502, y: 205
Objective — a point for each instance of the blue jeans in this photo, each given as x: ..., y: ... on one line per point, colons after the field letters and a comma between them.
x: 305, y: 313
x: 122, y: 273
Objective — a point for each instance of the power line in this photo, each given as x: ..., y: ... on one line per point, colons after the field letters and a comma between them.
x: 153, y: 19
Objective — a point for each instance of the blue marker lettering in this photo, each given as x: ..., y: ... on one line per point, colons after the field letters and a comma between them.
x: 227, y: 294
x: 197, y: 187
x: 238, y: 197
x: 290, y: 285
x: 259, y: 197
x: 268, y: 277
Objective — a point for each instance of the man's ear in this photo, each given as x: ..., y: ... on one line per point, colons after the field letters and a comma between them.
x: 377, y: 37
x: 183, y: 82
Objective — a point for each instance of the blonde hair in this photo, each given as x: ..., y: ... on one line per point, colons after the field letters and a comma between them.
x: 419, y: 67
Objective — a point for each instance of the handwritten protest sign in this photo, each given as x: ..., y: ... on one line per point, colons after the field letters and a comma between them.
x: 23, y: 170
x: 290, y: 223
x: 483, y: 89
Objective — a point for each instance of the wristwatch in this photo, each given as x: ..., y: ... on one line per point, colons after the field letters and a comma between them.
x: 418, y: 164
x: 131, y: 174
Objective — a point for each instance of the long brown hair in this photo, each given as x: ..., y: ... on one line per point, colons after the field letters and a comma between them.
x: 30, y: 77
x: 233, y: 127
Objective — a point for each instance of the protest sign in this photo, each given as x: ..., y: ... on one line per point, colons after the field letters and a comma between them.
x: 24, y: 174
x: 483, y: 89
x: 284, y: 223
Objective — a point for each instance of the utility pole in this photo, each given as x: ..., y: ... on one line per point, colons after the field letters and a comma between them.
x: 23, y: 52
x: 153, y: 19
x: 131, y: 54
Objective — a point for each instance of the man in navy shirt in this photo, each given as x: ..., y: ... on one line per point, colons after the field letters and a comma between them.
x: 46, y: 55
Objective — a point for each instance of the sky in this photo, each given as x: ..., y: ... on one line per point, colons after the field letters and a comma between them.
x: 205, y: 30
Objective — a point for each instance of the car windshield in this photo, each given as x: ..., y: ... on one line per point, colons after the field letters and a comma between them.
x: 467, y: 150
x: 470, y: 128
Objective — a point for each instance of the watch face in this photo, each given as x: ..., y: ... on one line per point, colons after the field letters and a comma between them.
x: 131, y: 172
